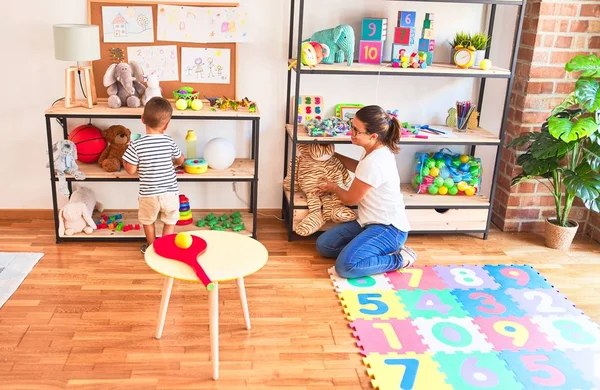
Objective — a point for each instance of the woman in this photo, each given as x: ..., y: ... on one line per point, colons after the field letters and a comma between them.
x: 374, y: 243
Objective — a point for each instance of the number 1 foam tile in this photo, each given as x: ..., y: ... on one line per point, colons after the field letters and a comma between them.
x: 424, y: 278
x: 387, y: 336
x: 466, y: 277
x: 541, y: 301
x: 405, y: 371
x: 488, y: 303
x: 543, y: 370
x: 517, y: 276
x: 513, y: 334
x: 431, y: 303
x: 452, y: 335
x: 372, y: 305
x: 587, y: 362
x: 569, y: 332
x: 373, y: 282
x: 471, y: 371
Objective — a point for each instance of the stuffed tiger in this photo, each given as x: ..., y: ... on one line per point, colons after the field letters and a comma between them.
x: 314, y: 164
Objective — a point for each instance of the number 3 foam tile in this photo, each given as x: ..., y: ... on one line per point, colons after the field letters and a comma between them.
x: 424, y: 278
x: 543, y: 370
x: 517, y: 276
x: 543, y: 302
x: 569, y: 332
x: 452, y: 335
x: 386, y: 336
x: 431, y: 303
x: 513, y: 334
x: 374, y: 304
x: 477, y: 371
x: 587, y: 362
x: 466, y: 277
x: 370, y: 283
x: 405, y: 371
x: 488, y: 303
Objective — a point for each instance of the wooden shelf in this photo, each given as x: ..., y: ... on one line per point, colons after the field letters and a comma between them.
x: 131, y: 217
x: 241, y: 169
x: 440, y: 70
x: 470, y: 137
x: 414, y: 200
x: 102, y: 110
x: 502, y: 2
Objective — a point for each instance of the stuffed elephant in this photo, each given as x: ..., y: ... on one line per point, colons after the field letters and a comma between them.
x: 124, y: 86
x: 339, y: 40
x: 76, y: 215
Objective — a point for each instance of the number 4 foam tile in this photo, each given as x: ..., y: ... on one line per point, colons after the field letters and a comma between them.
x: 387, y: 336
x: 371, y: 305
x: 373, y: 282
x: 405, y: 371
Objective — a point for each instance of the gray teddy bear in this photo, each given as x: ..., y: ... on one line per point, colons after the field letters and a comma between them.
x: 65, y: 154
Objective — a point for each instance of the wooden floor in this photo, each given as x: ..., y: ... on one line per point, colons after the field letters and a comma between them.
x: 85, y: 315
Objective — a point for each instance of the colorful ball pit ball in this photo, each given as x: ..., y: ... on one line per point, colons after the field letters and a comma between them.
x: 443, y: 190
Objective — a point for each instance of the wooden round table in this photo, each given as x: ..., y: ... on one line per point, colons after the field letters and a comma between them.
x: 228, y: 256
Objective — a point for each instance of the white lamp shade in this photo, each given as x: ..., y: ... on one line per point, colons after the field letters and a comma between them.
x: 76, y: 42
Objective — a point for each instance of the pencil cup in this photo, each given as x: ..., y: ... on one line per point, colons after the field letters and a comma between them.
x: 461, y: 125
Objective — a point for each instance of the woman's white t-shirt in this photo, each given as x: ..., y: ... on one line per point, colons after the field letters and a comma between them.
x: 383, y: 203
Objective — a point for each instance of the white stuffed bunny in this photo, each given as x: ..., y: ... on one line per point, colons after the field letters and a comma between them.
x: 76, y: 215
x: 153, y: 89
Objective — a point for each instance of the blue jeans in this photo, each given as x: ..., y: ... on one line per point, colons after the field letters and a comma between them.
x: 362, y: 251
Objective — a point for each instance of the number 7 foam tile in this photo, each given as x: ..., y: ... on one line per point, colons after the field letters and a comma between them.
x: 414, y: 278
x: 517, y: 276
x: 367, y: 283
x: 513, y: 334
x: 405, y: 371
x: 371, y: 305
x: 387, y: 336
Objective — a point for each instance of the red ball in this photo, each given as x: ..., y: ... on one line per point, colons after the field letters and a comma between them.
x: 89, y: 142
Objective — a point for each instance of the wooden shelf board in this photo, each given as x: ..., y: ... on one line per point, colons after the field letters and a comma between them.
x: 478, y: 136
x: 437, y: 69
x: 504, y: 2
x: 130, y: 217
x: 102, y: 109
x: 240, y: 169
x: 413, y: 200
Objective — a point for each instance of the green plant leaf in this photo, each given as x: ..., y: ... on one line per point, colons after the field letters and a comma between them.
x: 592, y: 155
x: 522, y: 140
x: 585, y: 185
x: 534, y: 167
x: 546, y: 146
x: 569, y: 101
x: 520, y: 178
x: 593, y: 204
x: 588, y: 93
x: 589, y: 65
x: 568, y: 131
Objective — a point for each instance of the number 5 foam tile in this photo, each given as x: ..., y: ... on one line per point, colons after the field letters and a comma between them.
x: 587, y: 362
x: 543, y: 302
x: 488, y: 303
x: 513, y: 334
x: 424, y: 278
x: 405, y: 371
x: 470, y: 371
x: 569, y: 332
x: 543, y: 370
x: 372, y: 305
x: 387, y: 336
x: 452, y: 335
x: 431, y: 303
x: 466, y: 277
x: 517, y: 276
x: 373, y: 282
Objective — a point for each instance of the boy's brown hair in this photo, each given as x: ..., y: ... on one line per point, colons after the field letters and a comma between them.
x: 157, y: 112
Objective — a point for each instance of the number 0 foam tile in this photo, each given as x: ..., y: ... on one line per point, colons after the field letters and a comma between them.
x: 452, y: 335
x: 405, y: 371
x: 367, y: 283
x: 513, y: 334
x: 387, y: 336
x: 372, y: 305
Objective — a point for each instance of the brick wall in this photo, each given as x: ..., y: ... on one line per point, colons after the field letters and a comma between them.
x: 553, y: 33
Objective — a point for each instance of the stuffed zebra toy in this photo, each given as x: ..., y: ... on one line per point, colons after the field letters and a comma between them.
x: 314, y: 164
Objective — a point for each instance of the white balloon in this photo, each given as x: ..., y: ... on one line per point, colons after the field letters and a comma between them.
x: 219, y: 153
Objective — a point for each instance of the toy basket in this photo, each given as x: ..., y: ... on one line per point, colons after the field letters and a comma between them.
x: 447, y: 173
x: 186, y: 93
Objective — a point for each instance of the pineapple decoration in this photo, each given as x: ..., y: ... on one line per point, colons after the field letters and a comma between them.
x: 451, y: 119
x: 473, y: 123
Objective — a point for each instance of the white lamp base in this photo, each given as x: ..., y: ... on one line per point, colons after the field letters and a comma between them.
x: 88, y: 87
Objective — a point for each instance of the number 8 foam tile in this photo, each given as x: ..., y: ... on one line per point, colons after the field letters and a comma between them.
x: 466, y: 277
x: 452, y: 335
x: 517, y: 276
x: 513, y: 334
x: 387, y: 336
x: 569, y: 332
x: 587, y: 362
x: 541, y: 301
x: 405, y: 371
x: 477, y: 371
x: 371, y: 305
x: 413, y: 278
x: 545, y: 370
x: 368, y: 283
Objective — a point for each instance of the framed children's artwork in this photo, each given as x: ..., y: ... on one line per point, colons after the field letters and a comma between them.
x: 347, y: 111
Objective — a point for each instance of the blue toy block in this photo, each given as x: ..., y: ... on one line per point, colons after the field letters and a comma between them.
x: 374, y: 29
x: 412, y: 36
x: 429, y: 60
x: 407, y: 18
x: 424, y: 44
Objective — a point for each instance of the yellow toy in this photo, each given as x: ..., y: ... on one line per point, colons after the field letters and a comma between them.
x: 464, y: 57
x: 451, y: 119
x: 473, y: 122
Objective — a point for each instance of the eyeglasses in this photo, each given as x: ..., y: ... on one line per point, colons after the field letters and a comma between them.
x: 355, y: 131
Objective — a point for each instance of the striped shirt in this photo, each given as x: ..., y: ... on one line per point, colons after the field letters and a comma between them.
x: 153, y: 155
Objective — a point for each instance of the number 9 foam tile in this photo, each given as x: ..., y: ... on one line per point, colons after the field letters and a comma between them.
x: 517, y: 276
x: 466, y: 277
x: 513, y: 334
x: 569, y: 332
x: 371, y: 305
x: 387, y: 336
x: 414, y: 278
x: 405, y: 371
x: 366, y: 283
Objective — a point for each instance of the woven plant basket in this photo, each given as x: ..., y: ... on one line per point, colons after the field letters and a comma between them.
x: 558, y: 237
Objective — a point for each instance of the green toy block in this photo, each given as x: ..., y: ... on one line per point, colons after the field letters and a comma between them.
x: 216, y: 227
x: 227, y: 225
x: 120, y: 226
x: 213, y: 222
x: 238, y: 228
x: 237, y: 214
x: 210, y: 217
x: 428, y: 24
x: 201, y: 222
x: 224, y: 217
x: 236, y: 221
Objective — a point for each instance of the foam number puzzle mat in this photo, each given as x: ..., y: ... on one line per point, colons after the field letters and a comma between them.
x: 499, y: 327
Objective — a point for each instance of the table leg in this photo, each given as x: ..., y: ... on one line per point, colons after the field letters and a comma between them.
x: 164, y: 304
x: 213, y: 313
x: 244, y: 301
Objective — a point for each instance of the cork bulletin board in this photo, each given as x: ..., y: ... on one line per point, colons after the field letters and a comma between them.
x: 100, y: 66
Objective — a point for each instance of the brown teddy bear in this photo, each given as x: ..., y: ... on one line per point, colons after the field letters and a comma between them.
x: 117, y: 136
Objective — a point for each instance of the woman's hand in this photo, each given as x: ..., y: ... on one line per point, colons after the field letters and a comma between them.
x: 327, y: 186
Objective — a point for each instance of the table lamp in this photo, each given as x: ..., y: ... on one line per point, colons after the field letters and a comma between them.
x: 78, y: 42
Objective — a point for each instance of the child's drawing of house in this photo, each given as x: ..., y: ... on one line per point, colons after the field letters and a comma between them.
x: 119, y: 26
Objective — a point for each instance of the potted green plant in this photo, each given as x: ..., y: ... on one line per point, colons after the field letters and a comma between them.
x: 460, y: 38
x: 480, y: 42
x: 565, y: 155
